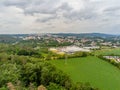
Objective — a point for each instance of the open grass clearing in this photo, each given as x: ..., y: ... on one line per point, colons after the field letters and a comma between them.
x: 97, y: 72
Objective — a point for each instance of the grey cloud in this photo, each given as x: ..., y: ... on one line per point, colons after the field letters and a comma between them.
x: 80, y: 15
x: 48, y: 7
x: 17, y: 3
x: 112, y: 9
x: 34, y: 6
x: 66, y: 7
x: 84, y: 14
x: 88, y: 12
x: 63, y: 7
x: 37, y: 9
x: 51, y: 7
x: 43, y: 20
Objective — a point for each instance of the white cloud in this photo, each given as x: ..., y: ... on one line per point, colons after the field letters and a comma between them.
x: 32, y: 16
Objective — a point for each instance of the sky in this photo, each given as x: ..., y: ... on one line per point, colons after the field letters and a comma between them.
x: 59, y: 16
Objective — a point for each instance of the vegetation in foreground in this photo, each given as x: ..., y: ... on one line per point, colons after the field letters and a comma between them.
x: 26, y: 73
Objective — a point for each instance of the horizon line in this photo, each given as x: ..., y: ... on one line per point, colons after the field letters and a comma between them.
x: 57, y: 33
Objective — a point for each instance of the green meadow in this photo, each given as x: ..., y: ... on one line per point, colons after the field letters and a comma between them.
x: 97, y: 72
x: 108, y: 52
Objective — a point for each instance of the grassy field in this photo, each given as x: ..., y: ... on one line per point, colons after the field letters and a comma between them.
x: 108, y: 52
x: 90, y: 69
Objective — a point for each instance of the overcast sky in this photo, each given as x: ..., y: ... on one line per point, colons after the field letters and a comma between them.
x: 59, y: 16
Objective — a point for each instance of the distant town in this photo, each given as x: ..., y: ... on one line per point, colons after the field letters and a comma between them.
x: 91, y: 41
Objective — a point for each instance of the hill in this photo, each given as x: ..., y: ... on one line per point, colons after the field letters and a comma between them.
x: 83, y: 35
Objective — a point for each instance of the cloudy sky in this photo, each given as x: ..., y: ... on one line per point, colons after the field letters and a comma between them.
x: 59, y: 16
